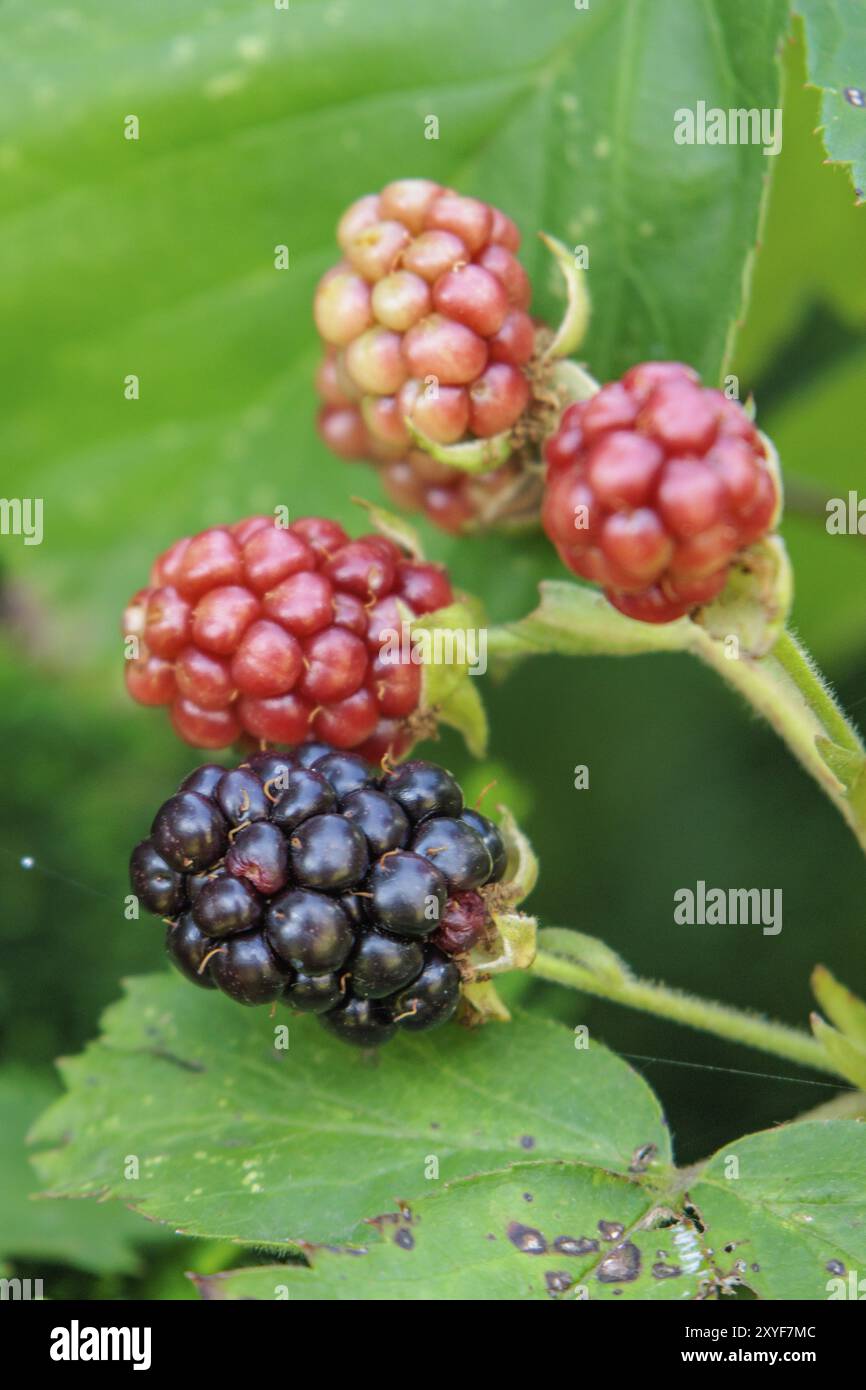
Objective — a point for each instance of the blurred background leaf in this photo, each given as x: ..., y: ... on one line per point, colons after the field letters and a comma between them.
x: 98, y: 1239
x: 155, y: 256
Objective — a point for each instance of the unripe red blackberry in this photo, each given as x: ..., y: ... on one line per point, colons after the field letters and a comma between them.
x: 429, y: 341
x: 314, y: 878
x: 276, y: 633
x: 654, y: 485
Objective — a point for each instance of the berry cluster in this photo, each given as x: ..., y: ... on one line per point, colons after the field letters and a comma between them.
x: 654, y: 485
x: 276, y: 632
x: 312, y: 878
x: 425, y: 318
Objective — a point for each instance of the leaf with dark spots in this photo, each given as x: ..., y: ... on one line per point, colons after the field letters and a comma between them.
x: 527, y: 1239
x: 620, y: 1265
x: 781, y: 1210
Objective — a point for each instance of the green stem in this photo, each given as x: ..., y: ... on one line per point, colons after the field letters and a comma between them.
x: 788, y: 690
x: 815, y: 691
x: 784, y: 686
x: 749, y: 1029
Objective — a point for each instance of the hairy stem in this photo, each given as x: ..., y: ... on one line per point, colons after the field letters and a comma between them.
x: 749, y: 1029
x: 785, y: 686
x: 802, y: 670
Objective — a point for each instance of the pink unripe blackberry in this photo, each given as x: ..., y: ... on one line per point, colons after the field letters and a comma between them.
x: 429, y: 344
x: 654, y: 486
x: 277, y: 633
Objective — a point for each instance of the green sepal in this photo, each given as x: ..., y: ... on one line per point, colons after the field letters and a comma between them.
x: 840, y: 1004
x: 511, y: 944
x: 521, y: 874
x: 846, y: 765
x: 472, y: 456
x: 463, y: 709
x: 754, y: 605
x: 483, y: 1004
x: 513, y: 947
x: 847, y: 1056
x: 573, y: 382
x: 575, y: 321
x: 393, y: 527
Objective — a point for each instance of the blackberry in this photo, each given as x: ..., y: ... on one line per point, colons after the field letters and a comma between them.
x: 309, y: 931
x: 241, y: 796
x: 345, y: 772
x: 259, y: 853
x: 424, y: 789
x: 363, y: 1022
x: 273, y: 770
x: 189, y: 831
x: 494, y: 842
x: 307, y: 794
x: 431, y: 998
x: 345, y: 893
x: 654, y: 486
x: 314, y: 994
x: 328, y: 852
x: 226, y: 905
x: 456, y: 849
x: 188, y: 948
x: 408, y: 893
x: 204, y: 779
x: 159, y: 886
x: 383, y: 963
x: 379, y: 816
x: 265, y: 632
x: 246, y: 969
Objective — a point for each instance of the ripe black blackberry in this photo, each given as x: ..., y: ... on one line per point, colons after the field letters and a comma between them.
x: 315, y: 878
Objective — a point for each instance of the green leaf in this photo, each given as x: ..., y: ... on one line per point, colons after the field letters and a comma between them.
x: 781, y: 1213
x: 797, y: 1207
x: 155, y: 256
x: 238, y: 1139
x: 488, y: 1237
x: 828, y: 608
x: 96, y: 1239
x: 836, y: 61
x: 819, y: 268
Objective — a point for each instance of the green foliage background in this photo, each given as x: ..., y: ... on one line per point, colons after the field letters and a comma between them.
x: 155, y: 257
